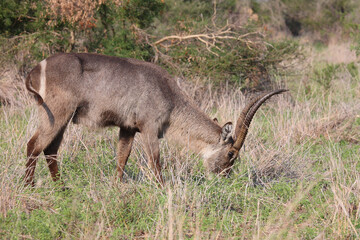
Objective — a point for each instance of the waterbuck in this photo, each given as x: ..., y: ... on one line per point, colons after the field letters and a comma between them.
x: 137, y: 96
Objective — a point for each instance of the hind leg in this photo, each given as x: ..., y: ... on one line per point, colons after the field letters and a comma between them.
x: 49, y: 142
x: 51, y: 154
x: 32, y: 154
x: 47, y: 138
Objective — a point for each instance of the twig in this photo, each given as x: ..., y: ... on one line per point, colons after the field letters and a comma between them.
x: 210, y: 40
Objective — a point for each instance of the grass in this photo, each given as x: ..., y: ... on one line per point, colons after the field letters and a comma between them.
x: 298, y: 177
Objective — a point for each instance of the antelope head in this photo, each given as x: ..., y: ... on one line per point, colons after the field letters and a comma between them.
x: 219, y: 158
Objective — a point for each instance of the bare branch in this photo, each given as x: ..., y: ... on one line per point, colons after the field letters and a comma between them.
x: 214, y: 39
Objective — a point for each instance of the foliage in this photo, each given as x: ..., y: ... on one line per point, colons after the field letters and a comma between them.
x: 321, y: 19
x: 216, y: 42
x: 130, y: 28
x: 102, y: 26
x: 18, y: 16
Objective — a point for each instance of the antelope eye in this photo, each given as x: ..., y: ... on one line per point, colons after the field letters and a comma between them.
x: 230, y: 154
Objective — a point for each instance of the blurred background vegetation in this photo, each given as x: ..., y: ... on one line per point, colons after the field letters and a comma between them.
x: 298, y: 177
x: 220, y: 41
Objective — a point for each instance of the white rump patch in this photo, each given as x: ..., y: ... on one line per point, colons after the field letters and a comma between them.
x: 42, y: 89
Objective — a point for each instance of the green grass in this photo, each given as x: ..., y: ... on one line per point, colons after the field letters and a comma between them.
x: 298, y: 177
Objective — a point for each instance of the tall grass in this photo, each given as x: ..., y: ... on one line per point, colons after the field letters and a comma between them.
x: 298, y: 175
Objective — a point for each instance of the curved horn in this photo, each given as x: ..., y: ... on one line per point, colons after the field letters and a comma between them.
x: 243, y: 123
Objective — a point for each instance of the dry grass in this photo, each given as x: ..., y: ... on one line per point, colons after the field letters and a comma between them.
x: 297, y: 177
x: 11, y: 86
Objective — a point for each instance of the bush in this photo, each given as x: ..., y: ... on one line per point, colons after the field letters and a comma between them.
x: 321, y: 19
x: 234, y: 48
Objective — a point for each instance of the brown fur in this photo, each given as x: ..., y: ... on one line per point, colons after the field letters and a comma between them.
x: 137, y: 96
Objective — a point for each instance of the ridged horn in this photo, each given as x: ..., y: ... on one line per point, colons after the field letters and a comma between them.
x: 243, y: 123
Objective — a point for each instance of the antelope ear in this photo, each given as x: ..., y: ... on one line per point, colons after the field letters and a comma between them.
x: 216, y: 120
x: 226, y: 132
